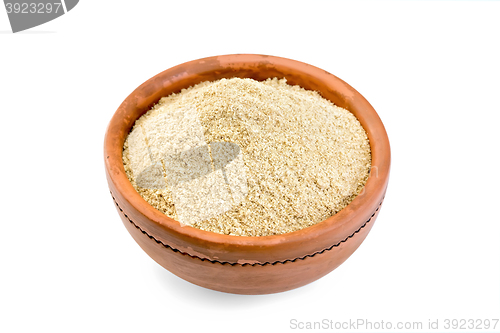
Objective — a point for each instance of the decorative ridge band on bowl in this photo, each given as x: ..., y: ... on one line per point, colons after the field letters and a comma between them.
x: 245, y: 264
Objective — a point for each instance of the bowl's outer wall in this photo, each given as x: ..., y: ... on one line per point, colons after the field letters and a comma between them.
x: 248, y: 279
x: 192, y: 253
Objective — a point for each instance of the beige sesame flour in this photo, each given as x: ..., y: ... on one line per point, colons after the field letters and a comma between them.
x: 242, y: 157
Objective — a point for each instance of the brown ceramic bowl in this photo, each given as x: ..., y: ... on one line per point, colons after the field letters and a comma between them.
x: 237, y: 264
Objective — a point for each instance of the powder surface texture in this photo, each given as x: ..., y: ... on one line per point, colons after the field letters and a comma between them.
x: 247, y: 158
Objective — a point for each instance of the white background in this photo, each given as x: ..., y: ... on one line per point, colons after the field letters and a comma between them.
x: 430, y: 69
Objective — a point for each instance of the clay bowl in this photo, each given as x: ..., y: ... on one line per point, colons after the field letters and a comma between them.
x: 235, y: 264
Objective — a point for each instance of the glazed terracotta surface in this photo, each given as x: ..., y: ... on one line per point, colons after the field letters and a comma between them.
x: 247, y: 265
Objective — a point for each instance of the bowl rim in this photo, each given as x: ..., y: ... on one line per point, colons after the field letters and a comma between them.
x: 341, y: 224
